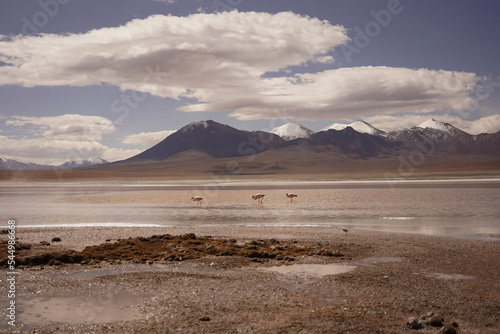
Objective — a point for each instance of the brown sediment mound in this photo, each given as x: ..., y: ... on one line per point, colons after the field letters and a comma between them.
x: 173, y: 248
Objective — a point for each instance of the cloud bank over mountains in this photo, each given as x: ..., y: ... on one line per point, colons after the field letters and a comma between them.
x: 221, y: 62
x: 254, y: 65
x: 61, y: 138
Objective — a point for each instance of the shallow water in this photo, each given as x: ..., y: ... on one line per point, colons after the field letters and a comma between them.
x: 311, y: 269
x: 460, y: 208
x: 91, y: 309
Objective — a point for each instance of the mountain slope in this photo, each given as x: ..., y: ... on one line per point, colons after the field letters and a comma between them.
x: 215, y: 139
x: 434, y: 137
x: 350, y: 141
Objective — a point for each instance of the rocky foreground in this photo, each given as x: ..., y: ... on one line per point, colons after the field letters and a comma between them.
x: 242, y: 280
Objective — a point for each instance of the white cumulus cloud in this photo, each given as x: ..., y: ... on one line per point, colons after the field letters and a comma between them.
x: 171, y: 56
x: 351, y: 92
x: 219, y: 62
x: 487, y: 124
x: 66, y: 127
x: 147, y: 139
x: 57, y: 139
x: 51, y: 151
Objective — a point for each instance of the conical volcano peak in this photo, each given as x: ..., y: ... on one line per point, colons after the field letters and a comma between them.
x: 291, y: 131
x: 198, y: 125
x: 437, y: 125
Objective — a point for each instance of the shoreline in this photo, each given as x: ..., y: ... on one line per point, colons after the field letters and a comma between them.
x: 83, y: 175
x: 397, y: 276
x: 99, y: 233
x: 229, y: 178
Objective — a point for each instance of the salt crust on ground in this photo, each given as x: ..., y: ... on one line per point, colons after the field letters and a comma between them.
x: 397, y: 276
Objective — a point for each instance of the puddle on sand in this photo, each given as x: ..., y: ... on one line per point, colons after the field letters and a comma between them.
x: 94, y: 309
x: 311, y: 269
x: 448, y: 276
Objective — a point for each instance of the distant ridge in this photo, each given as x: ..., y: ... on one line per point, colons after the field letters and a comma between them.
x: 10, y: 164
x: 359, y: 126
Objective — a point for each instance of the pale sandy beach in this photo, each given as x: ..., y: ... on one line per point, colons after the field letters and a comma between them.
x: 387, y: 279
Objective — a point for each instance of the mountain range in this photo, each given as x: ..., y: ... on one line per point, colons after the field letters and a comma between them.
x: 10, y: 164
x: 208, y: 147
x: 214, y: 148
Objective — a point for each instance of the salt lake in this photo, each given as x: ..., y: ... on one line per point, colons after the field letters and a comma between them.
x: 465, y: 208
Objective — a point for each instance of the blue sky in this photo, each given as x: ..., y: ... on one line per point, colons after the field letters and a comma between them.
x: 86, y: 78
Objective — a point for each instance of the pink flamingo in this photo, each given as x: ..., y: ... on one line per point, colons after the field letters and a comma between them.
x: 258, y: 197
x: 197, y: 199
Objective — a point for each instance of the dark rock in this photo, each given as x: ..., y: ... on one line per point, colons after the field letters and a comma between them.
x: 53, y: 262
x: 56, y: 239
x: 44, y: 243
x: 449, y: 329
x: 188, y: 236
x: 205, y: 318
x: 414, y: 323
x: 436, y: 321
x: 259, y: 255
x: 20, y: 246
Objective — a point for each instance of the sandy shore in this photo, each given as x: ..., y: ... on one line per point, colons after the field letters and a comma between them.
x: 387, y: 279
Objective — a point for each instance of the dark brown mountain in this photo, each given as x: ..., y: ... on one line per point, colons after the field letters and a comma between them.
x: 212, y: 138
x: 486, y: 143
x: 446, y: 141
x: 349, y: 141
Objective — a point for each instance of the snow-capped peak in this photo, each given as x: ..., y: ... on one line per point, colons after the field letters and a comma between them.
x: 194, y: 125
x: 335, y: 126
x: 437, y: 125
x: 359, y: 126
x: 292, y: 131
x: 97, y: 161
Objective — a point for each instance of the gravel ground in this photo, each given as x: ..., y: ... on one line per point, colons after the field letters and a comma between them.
x: 453, y: 284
